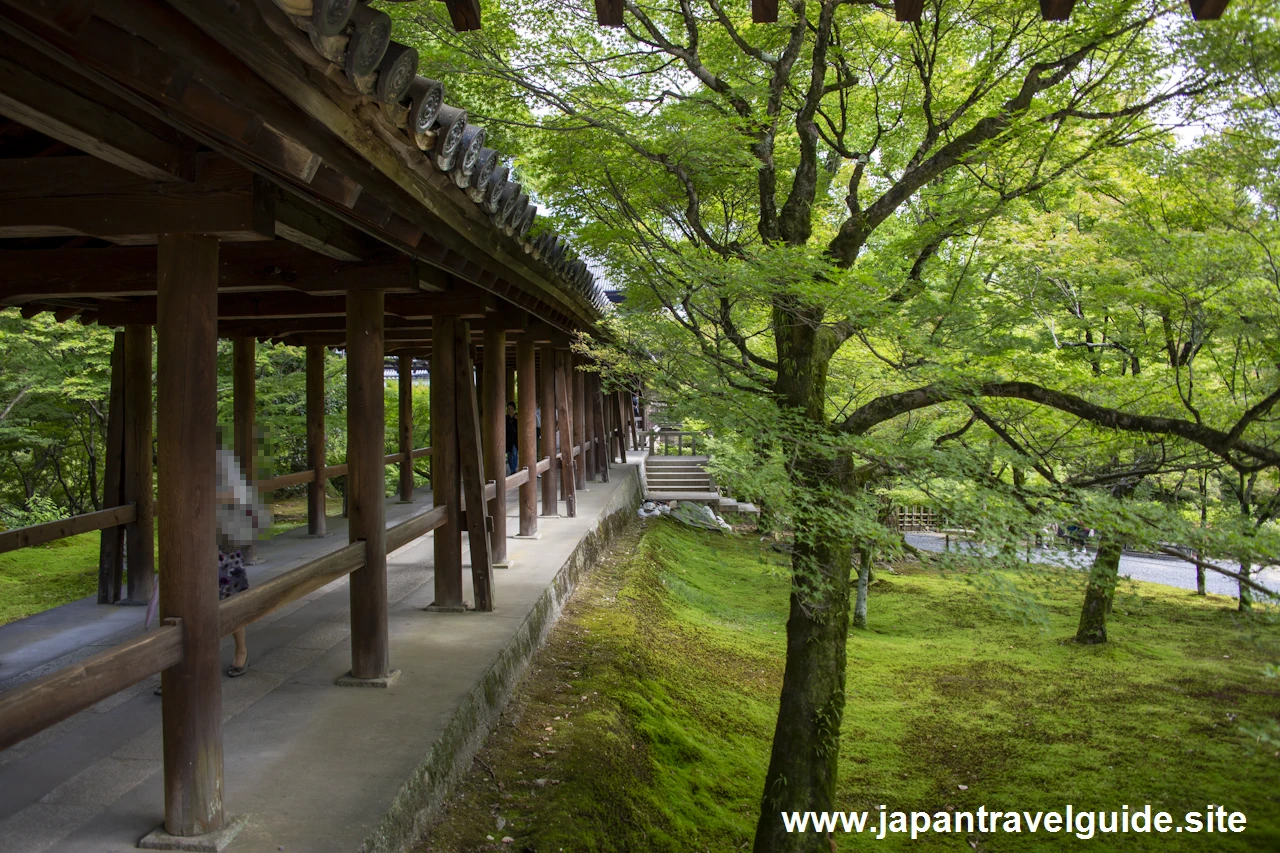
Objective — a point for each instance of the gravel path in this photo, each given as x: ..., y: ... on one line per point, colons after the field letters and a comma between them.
x: 1169, y: 571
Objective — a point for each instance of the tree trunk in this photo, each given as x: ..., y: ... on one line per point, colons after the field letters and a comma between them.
x: 803, y: 764
x: 864, y: 578
x: 1246, y: 593
x: 1101, y: 589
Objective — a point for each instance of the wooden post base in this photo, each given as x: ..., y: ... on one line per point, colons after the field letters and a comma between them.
x: 464, y: 607
x: 350, y: 680
x: 210, y: 842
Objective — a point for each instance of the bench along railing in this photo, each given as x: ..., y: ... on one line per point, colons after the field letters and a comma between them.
x: 38, y: 534
x: 662, y: 441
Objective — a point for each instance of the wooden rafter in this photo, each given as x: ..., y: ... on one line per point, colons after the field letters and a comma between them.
x: 465, y: 14
x: 1056, y: 10
x: 1207, y: 10
x: 609, y: 13
x: 908, y: 11
x: 764, y: 11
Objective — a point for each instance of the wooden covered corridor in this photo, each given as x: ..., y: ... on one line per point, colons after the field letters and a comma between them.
x: 241, y: 171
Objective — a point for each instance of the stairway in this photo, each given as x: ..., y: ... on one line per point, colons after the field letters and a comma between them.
x: 685, y: 478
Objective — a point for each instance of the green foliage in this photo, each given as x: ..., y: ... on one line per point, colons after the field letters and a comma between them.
x: 677, y: 646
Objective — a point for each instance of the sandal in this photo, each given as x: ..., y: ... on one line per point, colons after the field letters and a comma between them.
x: 237, y: 671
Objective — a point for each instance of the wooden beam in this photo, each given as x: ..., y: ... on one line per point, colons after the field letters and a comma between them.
x: 465, y: 14
x: 35, y: 94
x: 445, y: 490
x: 186, y: 397
x: 316, y: 520
x: 1207, y: 10
x: 1056, y: 10
x: 249, y: 606
x: 36, y: 705
x: 138, y: 468
x: 546, y: 370
x: 471, y: 461
x: 602, y: 433
x: 122, y: 271
x: 366, y: 485
x: 609, y: 13
x: 908, y: 11
x: 577, y: 382
x: 84, y: 195
x: 111, y: 546
x: 50, y: 531
x: 764, y: 11
x: 405, y: 401
x: 494, y: 371
x: 526, y: 388
x: 564, y: 426
x: 588, y: 428
x: 244, y: 404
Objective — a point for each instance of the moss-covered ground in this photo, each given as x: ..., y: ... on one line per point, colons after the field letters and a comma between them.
x: 645, y: 722
x: 44, y: 576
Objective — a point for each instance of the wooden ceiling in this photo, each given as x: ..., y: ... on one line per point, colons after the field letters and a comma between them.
x: 124, y: 119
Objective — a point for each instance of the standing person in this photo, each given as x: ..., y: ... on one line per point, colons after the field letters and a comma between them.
x: 513, y: 438
x: 241, y: 516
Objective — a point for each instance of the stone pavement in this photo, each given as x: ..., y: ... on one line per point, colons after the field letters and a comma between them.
x: 314, y: 767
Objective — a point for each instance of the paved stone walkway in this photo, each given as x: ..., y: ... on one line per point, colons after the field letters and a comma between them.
x: 314, y: 767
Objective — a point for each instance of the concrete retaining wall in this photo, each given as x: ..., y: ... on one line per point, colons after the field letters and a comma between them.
x: 418, y: 802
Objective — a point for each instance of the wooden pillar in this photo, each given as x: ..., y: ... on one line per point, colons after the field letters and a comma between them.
x: 587, y: 416
x: 577, y: 381
x: 366, y: 481
x: 564, y: 423
x: 471, y: 465
x: 602, y: 433
x: 495, y: 428
x: 139, y: 536
x: 546, y: 369
x: 244, y: 405
x: 631, y: 419
x: 511, y: 382
x: 111, y: 545
x: 317, y: 525
x: 527, y: 382
x: 406, y: 427
x: 622, y: 426
x: 444, y: 465
x: 187, y: 404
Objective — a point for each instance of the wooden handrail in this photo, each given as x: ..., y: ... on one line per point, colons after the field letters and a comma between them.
x: 41, y: 703
x: 38, y: 534
x: 251, y: 605
x: 518, y: 479
x: 544, y: 464
x: 420, y: 525
x: 297, y: 478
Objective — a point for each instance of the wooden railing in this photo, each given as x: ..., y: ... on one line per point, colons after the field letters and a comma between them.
x: 38, y: 534
x: 297, y: 478
x: 672, y: 443
x: 41, y: 703
x: 38, y: 704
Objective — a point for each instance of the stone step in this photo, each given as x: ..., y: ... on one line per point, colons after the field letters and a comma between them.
x: 696, y: 497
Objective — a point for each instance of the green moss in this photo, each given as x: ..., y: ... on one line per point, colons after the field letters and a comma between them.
x: 35, y: 579
x: 666, y: 670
